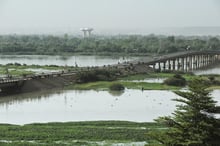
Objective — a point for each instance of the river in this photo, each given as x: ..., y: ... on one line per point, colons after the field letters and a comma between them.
x: 80, y: 60
x: 73, y: 105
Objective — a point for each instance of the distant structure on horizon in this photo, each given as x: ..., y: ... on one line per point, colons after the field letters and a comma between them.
x: 86, y: 31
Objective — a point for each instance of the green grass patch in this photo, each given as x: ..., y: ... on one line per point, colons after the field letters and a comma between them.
x: 20, y: 70
x: 135, y: 77
x: 99, y: 85
x: 152, y: 75
x: 104, y: 85
x: 77, y: 133
x: 148, y: 86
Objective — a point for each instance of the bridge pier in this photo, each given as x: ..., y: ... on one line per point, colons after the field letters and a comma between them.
x: 164, y: 65
x: 159, y: 66
x: 174, y: 64
x: 169, y: 65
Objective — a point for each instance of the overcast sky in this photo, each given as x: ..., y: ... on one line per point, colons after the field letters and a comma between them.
x: 112, y: 15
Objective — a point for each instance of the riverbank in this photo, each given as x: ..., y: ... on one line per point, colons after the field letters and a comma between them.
x: 77, y: 133
x: 104, y: 85
x: 20, y: 70
x: 136, y: 81
x: 146, y: 81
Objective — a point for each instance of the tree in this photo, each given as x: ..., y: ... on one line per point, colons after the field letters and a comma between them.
x: 191, y: 124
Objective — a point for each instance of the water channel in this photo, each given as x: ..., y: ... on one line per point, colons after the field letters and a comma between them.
x: 81, y: 61
x: 73, y: 105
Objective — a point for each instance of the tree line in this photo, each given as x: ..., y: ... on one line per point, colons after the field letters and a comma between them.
x: 123, y: 44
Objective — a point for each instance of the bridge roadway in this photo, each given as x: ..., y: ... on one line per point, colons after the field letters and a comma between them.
x: 182, y: 61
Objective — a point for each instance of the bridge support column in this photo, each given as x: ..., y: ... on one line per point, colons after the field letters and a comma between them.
x: 209, y: 59
x: 194, y: 62
x: 182, y: 64
x: 212, y: 59
x: 159, y: 67
x: 190, y: 63
x: 164, y: 66
x: 202, y: 61
x: 205, y: 61
x: 174, y: 65
x: 187, y: 64
x: 198, y: 61
x: 178, y: 64
x: 169, y: 65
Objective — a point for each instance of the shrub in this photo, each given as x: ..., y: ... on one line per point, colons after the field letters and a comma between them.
x: 96, y: 75
x: 116, y: 87
x: 176, y: 80
x: 17, y: 64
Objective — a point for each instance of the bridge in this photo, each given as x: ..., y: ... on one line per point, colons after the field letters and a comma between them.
x: 183, y: 61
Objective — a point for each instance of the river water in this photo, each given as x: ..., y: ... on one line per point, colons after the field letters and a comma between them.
x: 73, y: 105
x: 81, y: 61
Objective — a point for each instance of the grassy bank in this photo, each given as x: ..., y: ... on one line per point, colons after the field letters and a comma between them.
x: 17, y: 69
x: 104, y: 85
x: 135, y: 82
x: 131, y: 82
x: 76, y: 133
x: 154, y: 75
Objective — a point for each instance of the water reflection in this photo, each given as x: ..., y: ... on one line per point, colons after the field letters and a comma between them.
x: 29, y: 97
x: 116, y: 93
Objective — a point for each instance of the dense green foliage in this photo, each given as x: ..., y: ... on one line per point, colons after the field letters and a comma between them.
x: 176, y: 80
x: 97, y: 75
x: 131, y: 44
x: 192, y: 124
x: 75, y: 133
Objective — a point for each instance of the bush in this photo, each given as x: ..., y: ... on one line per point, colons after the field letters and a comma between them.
x: 116, y: 87
x: 96, y: 75
x: 176, y: 80
x: 17, y: 64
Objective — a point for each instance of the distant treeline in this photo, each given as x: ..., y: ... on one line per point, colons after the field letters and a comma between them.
x: 121, y: 44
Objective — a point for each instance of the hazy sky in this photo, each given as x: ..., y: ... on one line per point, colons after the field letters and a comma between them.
x: 133, y: 15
